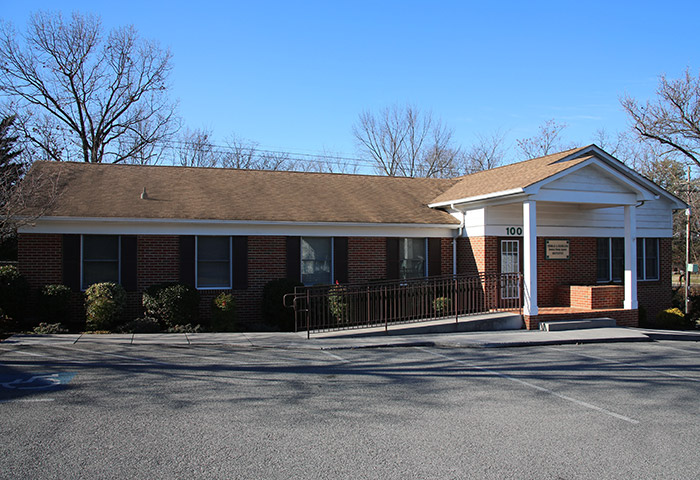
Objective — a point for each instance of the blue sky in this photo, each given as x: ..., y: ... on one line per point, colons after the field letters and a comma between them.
x: 294, y: 76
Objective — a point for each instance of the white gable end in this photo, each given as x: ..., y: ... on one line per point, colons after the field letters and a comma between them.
x: 592, y: 183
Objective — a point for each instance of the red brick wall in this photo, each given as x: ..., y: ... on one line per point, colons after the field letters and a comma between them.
x: 40, y: 258
x: 656, y: 295
x: 158, y: 260
x: 592, y: 296
x: 446, y: 256
x: 366, y: 259
x: 579, y: 269
x: 477, y: 254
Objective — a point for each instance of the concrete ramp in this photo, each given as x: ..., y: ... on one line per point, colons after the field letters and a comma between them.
x: 485, y: 322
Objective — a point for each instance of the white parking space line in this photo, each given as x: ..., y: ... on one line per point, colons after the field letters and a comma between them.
x: 28, y: 400
x: 336, y: 357
x: 532, y: 385
x: 627, y: 364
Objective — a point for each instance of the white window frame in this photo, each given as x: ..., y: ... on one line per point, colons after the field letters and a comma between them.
x: 301, y: 257
x: 425, y: 256
x: 84, y: 287
x: 640, y: 277
x: 196, y: 264
x: 641, y: 273
x: 609, y: 278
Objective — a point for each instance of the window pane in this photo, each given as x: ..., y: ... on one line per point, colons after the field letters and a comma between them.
x: 213, y: 248
x: 101, y: 247
x: 603, y: 259
x: 316, y: 260
x: 651, y: 263
x: 411, y: 257
x: 98, y: 272
x: 618, y: 259
x: 213, y: 274
x: 100, y: 259
x: 214, y: 262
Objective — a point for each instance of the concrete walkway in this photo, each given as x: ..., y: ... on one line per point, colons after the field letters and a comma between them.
x: 510, y: 338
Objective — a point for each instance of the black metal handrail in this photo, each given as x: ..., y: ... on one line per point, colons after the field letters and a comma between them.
x: 382, y: 303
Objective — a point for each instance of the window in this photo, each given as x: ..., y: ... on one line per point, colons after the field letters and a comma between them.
x: 213, y: 262
x: 647, y: 258
x: 611, y: 259
x: 412, y: 255
x: 316, y: 260
x: 100, y: 259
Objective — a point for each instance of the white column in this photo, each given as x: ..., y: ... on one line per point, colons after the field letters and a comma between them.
x: 630, y: 257
x: 530, y: 257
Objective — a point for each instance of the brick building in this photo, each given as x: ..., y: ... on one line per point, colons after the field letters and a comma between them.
x: 591, y: 237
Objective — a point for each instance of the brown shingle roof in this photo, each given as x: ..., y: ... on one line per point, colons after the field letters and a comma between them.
x: 508, y: 177
x: 107, y: 190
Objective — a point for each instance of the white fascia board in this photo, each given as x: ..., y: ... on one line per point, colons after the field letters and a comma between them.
x: 476, y: 198
x: 131, y: 226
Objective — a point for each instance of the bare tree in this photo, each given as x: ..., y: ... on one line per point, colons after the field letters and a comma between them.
x: 85, y: 96
x: 548, y: 140
x: 489, y: 151
x: 23, y: 198
x: 673, y: 119
x: 403, y: 142
x: 239, y: 153
x: 196, y: 149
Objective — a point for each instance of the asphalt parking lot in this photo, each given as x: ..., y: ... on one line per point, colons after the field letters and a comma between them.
x: 627, y: 410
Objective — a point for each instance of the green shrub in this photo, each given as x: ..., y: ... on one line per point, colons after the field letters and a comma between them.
x: 49, y: 328
x: 223, y: 308
x: 141, y: 325
x: 13, y: 293
x: 188, y: 328
x: 442, y: 305
x: 672, y: 318
x: 273, y: 310
x: 337, y: 304
x: 54, y: 302
x: 171, y: 303
x: 104, y: 305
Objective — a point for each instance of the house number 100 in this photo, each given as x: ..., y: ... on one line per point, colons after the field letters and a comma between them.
x: 514, y: 231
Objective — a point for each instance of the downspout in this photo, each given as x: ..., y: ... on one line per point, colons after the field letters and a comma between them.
x: 454, y: 240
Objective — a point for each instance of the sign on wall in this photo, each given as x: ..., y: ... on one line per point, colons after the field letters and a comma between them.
x: 556, y: 249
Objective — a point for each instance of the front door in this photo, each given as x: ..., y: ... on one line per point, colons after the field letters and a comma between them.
x: 510, y: 263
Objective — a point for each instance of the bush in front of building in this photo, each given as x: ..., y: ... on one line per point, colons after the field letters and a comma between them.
x: 105, y: 304
x: 14, y: 290
x: 223, y: 309
x: 672, y: 318
x: 54, y: 303
x: 442, y: 306
x: 141, y: 325
x: 273, y: 310
x: 45, y: 328
x: 171, y: 304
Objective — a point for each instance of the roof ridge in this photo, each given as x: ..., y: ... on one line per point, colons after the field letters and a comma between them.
x: 233, y: 169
